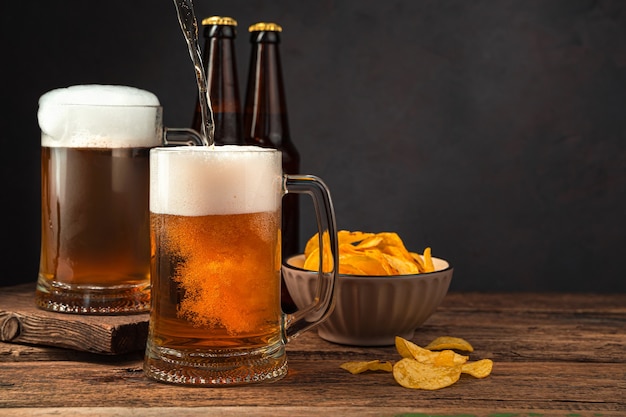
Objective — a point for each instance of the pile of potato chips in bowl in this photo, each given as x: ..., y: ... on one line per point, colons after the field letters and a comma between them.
x: 383, y: 289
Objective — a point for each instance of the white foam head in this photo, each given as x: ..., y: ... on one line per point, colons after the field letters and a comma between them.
x: 102, y: 116
x: 203, y: 180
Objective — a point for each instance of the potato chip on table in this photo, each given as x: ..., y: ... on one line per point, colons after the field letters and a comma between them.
x: 478, y: 369
x: 449, y: 342
x: 414, y: 374
x: 422, y: 368
x: 357, y: 367
x: 410, y: 350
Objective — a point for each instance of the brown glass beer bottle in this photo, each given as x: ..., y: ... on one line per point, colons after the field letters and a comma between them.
x: 265, y: 124
x: 222, y: 82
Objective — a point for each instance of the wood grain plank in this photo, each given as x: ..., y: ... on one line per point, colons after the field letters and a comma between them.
x: 315, y: 383
x: 15, y: 352
x: 526, y: 302
x: 513, y: 334
x: 291, y: 411
x: 552, y: 358
x: 22, y: 322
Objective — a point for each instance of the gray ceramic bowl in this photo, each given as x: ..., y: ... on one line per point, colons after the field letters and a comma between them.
x: 369, y: 310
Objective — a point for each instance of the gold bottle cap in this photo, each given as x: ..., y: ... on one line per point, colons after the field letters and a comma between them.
x: 219, y: 20
x: 265, y: 27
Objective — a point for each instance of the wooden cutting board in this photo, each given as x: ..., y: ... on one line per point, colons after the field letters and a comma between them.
x: 22, y: 322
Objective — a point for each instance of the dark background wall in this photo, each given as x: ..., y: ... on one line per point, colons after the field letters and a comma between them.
x: 492, y: 131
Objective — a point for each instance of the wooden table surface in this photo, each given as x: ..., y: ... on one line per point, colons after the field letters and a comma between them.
x: 554, y: 355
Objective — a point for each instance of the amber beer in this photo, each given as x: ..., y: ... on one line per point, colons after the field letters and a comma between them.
x: 94, y: 231
x: 95, y: 247
x: 222, y: 284
x: 215, y: 233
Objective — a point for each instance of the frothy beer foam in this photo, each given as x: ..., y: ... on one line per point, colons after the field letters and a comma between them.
x: 202, y: 180
x: 99, y: 116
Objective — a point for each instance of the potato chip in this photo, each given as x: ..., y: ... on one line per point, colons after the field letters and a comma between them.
x: 314, y: 243
x: 478, y: 369
x: 370, y: 263
x: 391, y: 239
x: 410, y: 350
x: 348, y: 249
x: 422, y: 368
x: 418, y: 261
x: 345, y: 236
x: 368, y: 243
x: 361, y: 253
x: 312, y: 261
x: 311, y: 245
x: 448, y: 358
x: 351, y: 270
x: 449, y: 342
x: 401, y: 266
x: 428, y: 261
x: 413, y: 374
x: 357, y: 367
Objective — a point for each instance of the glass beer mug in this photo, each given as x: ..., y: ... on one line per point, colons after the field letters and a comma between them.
x: 215, y: 215
x: 95, y: 242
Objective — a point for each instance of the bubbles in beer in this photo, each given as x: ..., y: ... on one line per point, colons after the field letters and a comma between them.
x: 227, y: 276
x: 99, y: 116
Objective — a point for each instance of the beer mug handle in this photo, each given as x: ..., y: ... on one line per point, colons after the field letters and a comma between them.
x: 181, y: 137
x: 324, y: 300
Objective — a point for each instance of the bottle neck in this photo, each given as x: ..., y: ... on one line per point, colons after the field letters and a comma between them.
x: 219, y: 31
x: 221, y: 75
x: 223, y: 85
x: 265, y: 117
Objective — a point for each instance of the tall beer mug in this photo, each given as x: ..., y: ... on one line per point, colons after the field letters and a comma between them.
x: 95, y: 241
x: 216, y: 260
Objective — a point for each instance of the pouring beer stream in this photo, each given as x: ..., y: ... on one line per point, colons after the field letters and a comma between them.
x: 189, y: 26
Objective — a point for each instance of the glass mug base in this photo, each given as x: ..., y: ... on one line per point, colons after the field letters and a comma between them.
x: 216, y: 367
x: 92, y: 299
